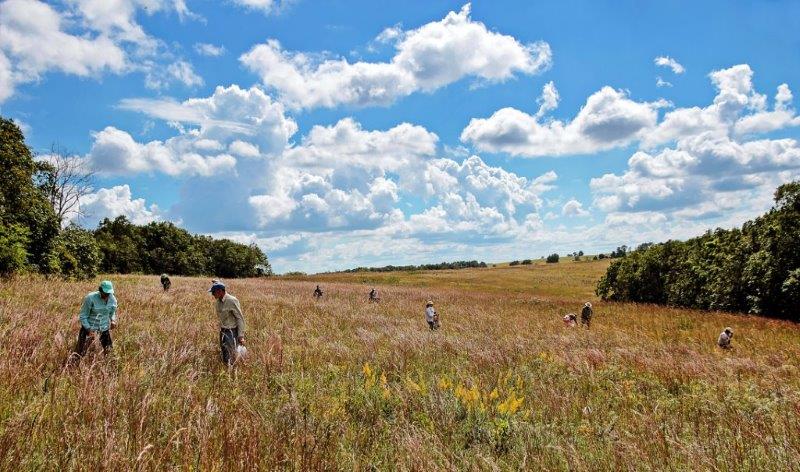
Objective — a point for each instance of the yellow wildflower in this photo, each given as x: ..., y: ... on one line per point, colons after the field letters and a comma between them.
x: 444, y: 383
x: 369, y: 376
x: 511, y: 404
x: 413, y: 385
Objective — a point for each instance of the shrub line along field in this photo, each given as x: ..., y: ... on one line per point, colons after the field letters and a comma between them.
x: 343, y: 384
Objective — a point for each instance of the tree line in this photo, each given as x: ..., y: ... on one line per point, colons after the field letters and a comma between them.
x: 439, y: 266
x: 37, y: 195
x: 752, y: 269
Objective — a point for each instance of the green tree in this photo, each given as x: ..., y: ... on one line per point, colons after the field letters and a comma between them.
x: 230, y: 259
x: 13, y: 249
x: 76, y: 253
x: 22, y: 203
x: 121, y: 246
x: 755, y: 269
x: 170, y: 249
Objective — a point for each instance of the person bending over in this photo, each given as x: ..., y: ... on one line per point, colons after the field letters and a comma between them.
x: 98, y: 315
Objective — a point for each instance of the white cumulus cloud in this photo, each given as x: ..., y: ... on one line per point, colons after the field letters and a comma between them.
x: 703, y: 163
x: 230, y: 113
x: 116, y: 152
x: 609, y: 119
x: 574, y: 208
x: 427, y: 58
x: 86, y: 38
x: 33, y: 40
x: 113, y: 202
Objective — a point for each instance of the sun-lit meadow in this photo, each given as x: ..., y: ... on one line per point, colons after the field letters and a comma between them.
x: 344, y: 384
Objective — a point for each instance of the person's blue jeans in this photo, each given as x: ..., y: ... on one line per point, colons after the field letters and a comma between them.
x: 228, y: 340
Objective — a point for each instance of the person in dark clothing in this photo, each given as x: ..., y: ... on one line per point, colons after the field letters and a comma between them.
x: 86, y: 338
x: 586, y: 314
x: 317, y: 292
x: 165, y: 282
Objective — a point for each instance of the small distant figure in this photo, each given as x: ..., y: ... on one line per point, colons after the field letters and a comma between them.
x: 231, y: 323
x: 373, y: 296
x: 165, y: 282
x: 570, y: 320
x: 98, y: 316
x: 317, y: 292
x: 586, y: 314
x: 725, y: 338
x: 431, y: 316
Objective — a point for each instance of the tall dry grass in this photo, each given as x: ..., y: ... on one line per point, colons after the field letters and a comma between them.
x: 344, y: 384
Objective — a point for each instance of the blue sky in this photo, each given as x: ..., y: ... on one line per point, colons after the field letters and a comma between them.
x: 337, y: 134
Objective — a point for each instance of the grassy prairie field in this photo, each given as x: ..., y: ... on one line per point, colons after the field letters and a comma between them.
x: 344, y: 384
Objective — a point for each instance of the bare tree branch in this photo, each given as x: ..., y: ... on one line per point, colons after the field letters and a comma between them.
x: 65, y: 178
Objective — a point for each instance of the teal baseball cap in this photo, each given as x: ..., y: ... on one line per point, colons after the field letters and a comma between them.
x: 106, y: 286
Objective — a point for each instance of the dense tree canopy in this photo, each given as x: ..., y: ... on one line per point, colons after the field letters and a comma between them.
x: 162, y: 247
x: 27, y: 219
x: 755, y: 269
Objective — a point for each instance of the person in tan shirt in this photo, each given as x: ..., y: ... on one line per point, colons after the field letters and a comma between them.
x: 231, y: 322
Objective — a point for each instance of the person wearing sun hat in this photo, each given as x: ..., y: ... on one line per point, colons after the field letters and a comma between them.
x: 430, y: 316
x: 98, y: 315
x: 231, y: 322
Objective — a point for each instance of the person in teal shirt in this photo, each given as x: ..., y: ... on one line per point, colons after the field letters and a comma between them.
x: 98, y: 315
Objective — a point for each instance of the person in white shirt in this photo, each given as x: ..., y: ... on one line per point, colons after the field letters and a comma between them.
x: 431, y: 316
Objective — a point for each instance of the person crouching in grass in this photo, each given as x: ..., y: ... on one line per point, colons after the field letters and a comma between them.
x: 725, y: 338
x: 98, y: 315
x: 231, y: 322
